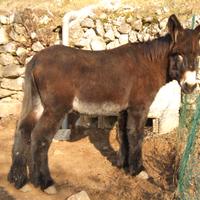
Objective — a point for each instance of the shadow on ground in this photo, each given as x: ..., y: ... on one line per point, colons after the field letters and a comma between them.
x: 4, y: 195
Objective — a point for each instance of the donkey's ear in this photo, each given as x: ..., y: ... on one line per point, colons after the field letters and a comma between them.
x: 174, y: 27
x: 197, y: 30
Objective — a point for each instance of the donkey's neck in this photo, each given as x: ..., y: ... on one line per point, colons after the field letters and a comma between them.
x: 153, y: 57
x: 156, y: 54
x: 156, y: 50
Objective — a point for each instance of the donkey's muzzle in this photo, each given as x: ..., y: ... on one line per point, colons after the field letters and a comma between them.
x: 188, y: 82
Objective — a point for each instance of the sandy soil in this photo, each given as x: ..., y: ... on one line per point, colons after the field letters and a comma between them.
x: 87, y: 162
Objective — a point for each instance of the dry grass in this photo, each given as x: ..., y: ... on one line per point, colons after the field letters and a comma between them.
x: 180, y: 7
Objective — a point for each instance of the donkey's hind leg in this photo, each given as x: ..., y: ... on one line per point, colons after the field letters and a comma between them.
x: 21, y: 151
x: 41, y: 139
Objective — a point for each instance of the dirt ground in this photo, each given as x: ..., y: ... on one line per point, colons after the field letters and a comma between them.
x: 87, y: 162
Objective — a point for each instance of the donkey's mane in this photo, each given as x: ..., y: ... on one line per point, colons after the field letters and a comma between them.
x: 154, y: 49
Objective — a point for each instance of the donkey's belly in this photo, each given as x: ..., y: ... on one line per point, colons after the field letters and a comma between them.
x: 105, y: 108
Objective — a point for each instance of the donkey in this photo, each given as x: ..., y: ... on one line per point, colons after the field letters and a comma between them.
x: 123, y: 80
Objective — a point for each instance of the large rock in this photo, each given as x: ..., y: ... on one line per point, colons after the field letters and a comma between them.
x: 116, y: 32
x: 99, y: 28
x: 3, y: 36
x: 6, y: 19
x: 83, y: 42
x: 7, y: 59
x: 6, y: 93
x: 107, y: 26
x: 123, y: 39
x: 140, y: 37
x: 19, y: 96
x: 20, y: 29
x: 137, y: 24
x: 10, y: 47
x: 22, y: 59
x: 12, y: 84
x: 98, y: 44
x: 21, y: 51
x: 163, y: 23
x: 1, y: 71
x: 90, y: 33
x: 76, y: 33
x: 113, y: 44
x: 133, y: 36
x: 2, y: 49
x: 124, y: 28
x: 17, y: 37
x: 37, y: 46
x: 109, y: 35
x: 9, y: 106
x: 13, y: 71
x: 146, y: 36
x: 87, y: 23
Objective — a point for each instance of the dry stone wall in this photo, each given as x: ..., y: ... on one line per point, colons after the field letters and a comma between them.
x: 104, y: 29
x: 22, y: 34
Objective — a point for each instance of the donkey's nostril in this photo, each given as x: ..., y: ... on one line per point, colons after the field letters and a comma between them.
x: 194, y: 86
x: 187, y: 85
x: 190, y: 86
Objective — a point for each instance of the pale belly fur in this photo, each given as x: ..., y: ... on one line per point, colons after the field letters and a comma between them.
x: 105, y: 108
x: 83, y: 107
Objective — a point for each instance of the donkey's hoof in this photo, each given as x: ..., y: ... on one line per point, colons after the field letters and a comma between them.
x: 133, y: 171
x: 119, y: 164
x: 51, y: 190
x: 122, y: 163
x: 40, y: 180
x: 26, y: 188
x: 18, y: 177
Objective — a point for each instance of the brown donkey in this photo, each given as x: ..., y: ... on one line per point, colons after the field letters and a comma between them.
x: 123, y: 80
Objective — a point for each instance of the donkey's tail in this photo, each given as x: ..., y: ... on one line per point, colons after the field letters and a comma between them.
x: 30, y: 89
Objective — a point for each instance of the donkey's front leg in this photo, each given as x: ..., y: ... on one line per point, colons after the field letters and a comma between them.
x: 123, y: 140
x: 41, y: 139
x: 135, y: 132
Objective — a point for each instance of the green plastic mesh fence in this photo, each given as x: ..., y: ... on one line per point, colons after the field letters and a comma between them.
x: 189, y: 171
x: 188, y: 146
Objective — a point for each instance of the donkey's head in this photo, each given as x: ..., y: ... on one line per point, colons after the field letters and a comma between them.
x: 183, y: 58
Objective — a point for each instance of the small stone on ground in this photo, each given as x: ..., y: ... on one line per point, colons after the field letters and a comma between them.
x: 79, y: 196
x: 143, y: 175
x: 51, y: 190
x: 62, y: 135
